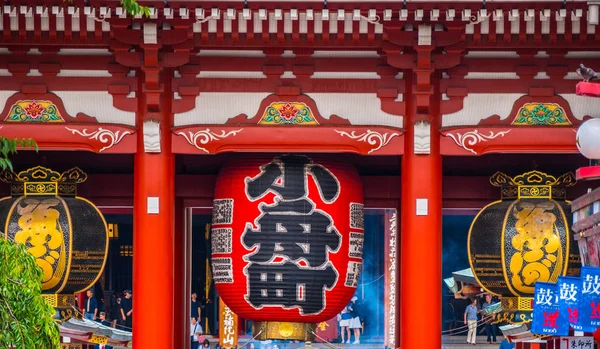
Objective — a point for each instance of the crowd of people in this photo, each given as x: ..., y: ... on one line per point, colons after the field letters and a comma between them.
x: 120, y: 310
x: 119, y: 314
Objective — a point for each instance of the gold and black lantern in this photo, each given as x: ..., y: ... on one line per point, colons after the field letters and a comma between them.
x: 66, y: 233
x: 523, y: 238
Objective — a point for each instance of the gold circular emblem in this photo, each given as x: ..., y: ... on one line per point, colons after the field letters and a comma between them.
x: 286, y: 329
x: 40, y: 188
x: 535, y: 191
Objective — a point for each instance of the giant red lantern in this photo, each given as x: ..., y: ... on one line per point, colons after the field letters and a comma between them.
x: 287, y: 241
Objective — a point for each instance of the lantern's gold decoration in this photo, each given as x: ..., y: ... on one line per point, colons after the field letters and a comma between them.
x: 538, y: 255
x: 322, y: 326
x: 283, y: 330
x: 517, y: 303
x: 39, y: 229
x: 524, y: 238
x: 65, y: 233
x: 533, y: 184
x: 513, y: 318
x: 59, y: 300
x: 113, y: 231
x: 44, y: 181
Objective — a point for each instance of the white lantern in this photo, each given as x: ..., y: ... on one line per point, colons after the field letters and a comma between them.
x: 588, y: 139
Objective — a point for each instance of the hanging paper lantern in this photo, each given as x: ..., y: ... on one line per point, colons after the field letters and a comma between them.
x: 66, y: 234
x: 523, y: 239
x: 588, y: 139
x: 287, y: 240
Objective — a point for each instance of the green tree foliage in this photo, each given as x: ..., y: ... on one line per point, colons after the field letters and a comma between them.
x: 8, y: 146
x: 26, y: 319
x: 133, y: 8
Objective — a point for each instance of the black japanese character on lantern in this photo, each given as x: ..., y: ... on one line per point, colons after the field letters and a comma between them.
x: 289, y: 285
x: 295, y: 230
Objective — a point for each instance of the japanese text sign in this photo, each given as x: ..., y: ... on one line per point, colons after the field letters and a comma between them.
x: 569, y: 295
x: 589, y: 306
x: 228, y: 327
x: 546, y: 311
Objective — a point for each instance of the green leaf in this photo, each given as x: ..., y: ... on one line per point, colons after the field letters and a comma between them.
x: 25, y: 317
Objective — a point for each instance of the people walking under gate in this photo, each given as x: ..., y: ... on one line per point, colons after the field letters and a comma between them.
x: 470, y: 319
x: 196, y: 334
x: 355, y: 323
x: 490, y: 329
x: 90, y: 310
x: 102, y: 321
x: 127, y: 309
x: 196, y: 311
x: 345, y: 318
x: 115, y: 310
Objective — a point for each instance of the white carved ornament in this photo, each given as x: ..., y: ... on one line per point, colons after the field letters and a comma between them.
x: 373, y: 138
x: 204, y: 137
x: 422, y: 138
x: 471, y: 138
x: 151, y: 136
x: 103, y: 135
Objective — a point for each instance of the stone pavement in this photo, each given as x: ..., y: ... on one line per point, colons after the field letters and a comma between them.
x: 448, y: 342
x: 460, y: 342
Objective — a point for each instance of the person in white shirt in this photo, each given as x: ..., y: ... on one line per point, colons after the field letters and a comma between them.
x: 195, y: 333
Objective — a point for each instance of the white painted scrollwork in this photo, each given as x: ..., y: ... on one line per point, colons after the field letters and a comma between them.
x: 203, y: 137
x: 471, y: 138
x: 373, y: 138
x: 103, y: 135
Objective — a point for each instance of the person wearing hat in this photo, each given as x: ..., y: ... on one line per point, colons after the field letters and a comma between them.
x: 127, y: 309
x: 355, y: 324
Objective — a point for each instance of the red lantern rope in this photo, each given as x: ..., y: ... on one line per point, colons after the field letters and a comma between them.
x: 373, y: 281
x: 116, y: 325
x: 329, y: 344
x: 253, y: 338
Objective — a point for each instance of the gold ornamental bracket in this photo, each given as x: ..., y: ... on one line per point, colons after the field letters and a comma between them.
x: 40, y: 180
x: 533, y: 185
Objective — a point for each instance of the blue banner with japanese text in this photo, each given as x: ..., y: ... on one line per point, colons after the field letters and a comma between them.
x: 569, y: 295
x: 546, y: 311
x: 589, y: 306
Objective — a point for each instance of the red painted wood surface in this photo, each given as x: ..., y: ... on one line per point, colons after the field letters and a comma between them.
x: 420, y: 263
x: 344, y: 139
x: 153, y: 238
x: 481, y: 140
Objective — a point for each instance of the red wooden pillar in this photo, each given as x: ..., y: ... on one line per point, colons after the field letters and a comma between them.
x: 181, y: 312
x: 421, y: 237
x: 153, y: 269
